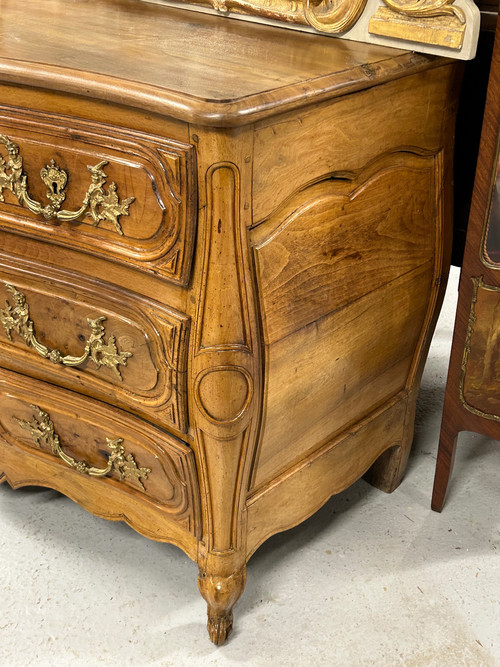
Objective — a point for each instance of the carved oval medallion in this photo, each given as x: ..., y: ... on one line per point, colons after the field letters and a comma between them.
x: 223, y: 393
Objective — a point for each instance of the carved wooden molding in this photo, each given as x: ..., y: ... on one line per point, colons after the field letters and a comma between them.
x: 156, y: 335
x: 442, y: 27
x: 155, y: 236
x: 171, y: 487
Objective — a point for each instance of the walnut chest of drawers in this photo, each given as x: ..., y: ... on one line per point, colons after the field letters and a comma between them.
x: 222, y: 251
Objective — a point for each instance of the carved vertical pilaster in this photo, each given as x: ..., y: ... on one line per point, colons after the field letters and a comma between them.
x: 225, y: 367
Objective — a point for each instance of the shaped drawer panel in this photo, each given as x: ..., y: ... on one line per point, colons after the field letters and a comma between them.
x: 70, y: 442
x: 96, y: 339
x: 122, y: 195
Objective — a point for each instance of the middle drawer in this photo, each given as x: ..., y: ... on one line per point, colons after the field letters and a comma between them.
x: 88, y: 336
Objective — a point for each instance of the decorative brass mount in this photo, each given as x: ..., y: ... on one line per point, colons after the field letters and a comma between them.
x: 42, y: 431
x: 97, y: 203
x: 16, y: 318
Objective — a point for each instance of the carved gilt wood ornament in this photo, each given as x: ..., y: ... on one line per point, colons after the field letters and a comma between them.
x: 97, y: 203
x: 442, y: 27
x: 16, y: 318
x: 42, y: 432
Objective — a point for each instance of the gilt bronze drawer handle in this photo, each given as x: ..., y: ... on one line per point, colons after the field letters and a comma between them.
x: 16, y: 318
x: 42, y: 431
x: 97, y: 203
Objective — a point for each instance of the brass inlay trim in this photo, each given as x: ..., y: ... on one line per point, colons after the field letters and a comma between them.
x: 42, y: 431
x: 483, y: 251
x: 16, y: 318
x: 97, y: 203
x: 477, y: 283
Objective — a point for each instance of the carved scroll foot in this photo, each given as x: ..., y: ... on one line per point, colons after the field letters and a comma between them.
x: 221, y: 594
x: 219, y: 627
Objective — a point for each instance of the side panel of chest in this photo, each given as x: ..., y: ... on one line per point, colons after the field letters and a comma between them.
x: 348, y: 253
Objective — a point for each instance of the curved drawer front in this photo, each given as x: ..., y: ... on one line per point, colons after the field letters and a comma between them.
x: 95, y: 339
x: 126, y: 196
x: 121, y: 454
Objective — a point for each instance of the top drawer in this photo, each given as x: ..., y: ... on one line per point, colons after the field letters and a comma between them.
x: 126, y: 196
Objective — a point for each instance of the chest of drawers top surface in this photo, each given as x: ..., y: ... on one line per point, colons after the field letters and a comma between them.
x: 192, y: 66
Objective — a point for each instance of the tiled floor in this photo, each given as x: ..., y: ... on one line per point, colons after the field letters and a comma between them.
x: 371, y: 579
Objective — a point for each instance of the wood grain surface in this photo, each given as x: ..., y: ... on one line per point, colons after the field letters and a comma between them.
x: 167, y: 509
x: 285, y: 161
x: 471, y: 398
x: 308, y: 180
x: 157, y: 232
x: 191, y: 66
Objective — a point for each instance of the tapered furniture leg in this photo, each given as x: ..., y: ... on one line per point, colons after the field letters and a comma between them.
x: 444, y: 466
x: 221, y: 594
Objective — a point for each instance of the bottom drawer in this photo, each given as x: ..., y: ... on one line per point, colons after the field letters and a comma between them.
x: 116, y: 465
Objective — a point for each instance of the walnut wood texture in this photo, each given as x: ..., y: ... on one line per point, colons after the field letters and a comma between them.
x: 471, y: 398
x: 170, y: 491
x: 156, y: 235
x: 310, y: 181
x: 153, y: 381
x: 195, y: 68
